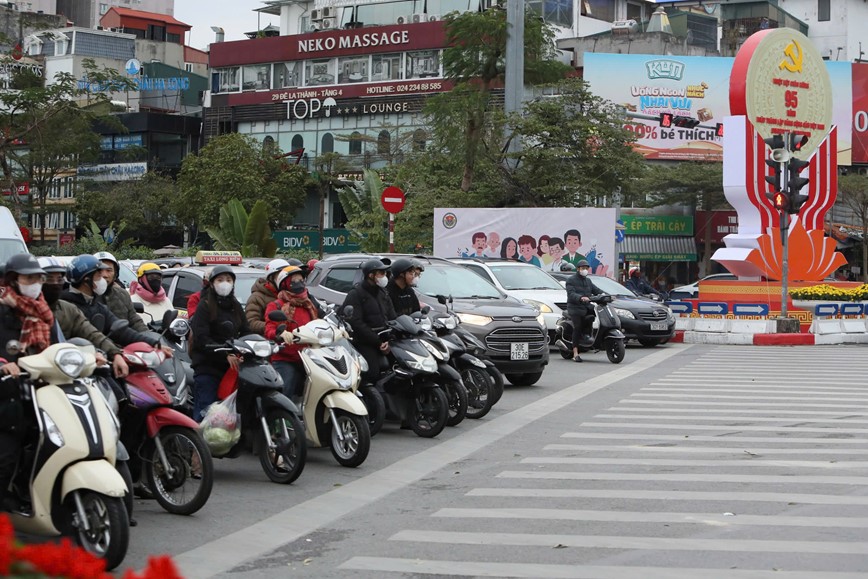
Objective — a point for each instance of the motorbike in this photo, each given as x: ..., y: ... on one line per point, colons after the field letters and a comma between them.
x: 333, y: 414
x: 606, y: 332
x: 177, y: 371
x: 66, y: 471
x: 272, y: 424
x: 450, y: 378
x: 167, y: 449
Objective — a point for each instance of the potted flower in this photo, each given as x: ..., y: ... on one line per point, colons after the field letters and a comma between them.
x: 808, y: 297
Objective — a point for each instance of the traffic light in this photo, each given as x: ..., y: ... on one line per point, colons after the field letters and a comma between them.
x: 795, y: 182
x: 685, y: 122
x: 797, y: 141
x: 666, y: 120
x: 778, y: 156
x: 779, y: 200
x: 718, y: 129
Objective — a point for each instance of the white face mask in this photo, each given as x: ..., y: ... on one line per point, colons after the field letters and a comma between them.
x: 31, y: 291
x: 583, y: 272
x: 99, y: 286
x: 223, y: 288
x: 382, y: 281
x: 413, y: 281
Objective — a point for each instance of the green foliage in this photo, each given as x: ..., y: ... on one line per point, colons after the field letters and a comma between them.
x: 238, y: 231
x: 303, y: 255
x: 366, y: 217
x: 142, y: 204
x: 853, y: 194
x: 693, y: 183
x: 234, y: 166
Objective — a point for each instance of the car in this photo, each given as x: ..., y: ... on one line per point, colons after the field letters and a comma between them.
x: 642, y: 319
x: 181, y: 282
x: 510, y: 330
x: 691, y: 291
x: 523, y: 281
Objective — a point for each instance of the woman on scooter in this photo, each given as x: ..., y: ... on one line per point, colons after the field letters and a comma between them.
x: 292, y: 300
x: 579, y: 292
x: 148, y: 291
x: 208, y: 326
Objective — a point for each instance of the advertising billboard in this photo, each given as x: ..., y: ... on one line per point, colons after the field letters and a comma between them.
x: 647, y: 86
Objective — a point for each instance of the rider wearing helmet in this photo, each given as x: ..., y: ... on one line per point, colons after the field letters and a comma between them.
x: 218, y: 305
x: 117, y: 298
x: 372, y: 308
x: 148, y: 291
x: 581, y: 312
x: 263, y: 293
x: 637, y: 284
x: 405, y: 274
x: 292, y: 300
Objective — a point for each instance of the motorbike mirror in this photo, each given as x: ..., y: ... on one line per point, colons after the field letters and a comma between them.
x: 425, y: 310
x: 13, y: 347
x: 168, y: 317
x: 441, y: 299
x: 139, y: 307
x: 348, y: 311
x: 277, y: 316
x: 117, y: 326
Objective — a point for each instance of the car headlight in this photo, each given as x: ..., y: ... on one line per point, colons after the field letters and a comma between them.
x: 70, y: 361
x: 475, y: 319
x: 543, y: 308
x: 51, y: 430
x: 622, y: 313
x: 670, y: 315
x: 260, y: 348
x: 541, y: 319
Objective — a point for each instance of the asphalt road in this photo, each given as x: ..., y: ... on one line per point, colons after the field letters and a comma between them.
x: 682, y: 462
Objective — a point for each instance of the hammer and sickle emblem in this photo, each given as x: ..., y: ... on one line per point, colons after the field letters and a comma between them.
x: 794, y: 53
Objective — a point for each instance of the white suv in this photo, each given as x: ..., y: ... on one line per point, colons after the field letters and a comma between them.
x: 524, y: 282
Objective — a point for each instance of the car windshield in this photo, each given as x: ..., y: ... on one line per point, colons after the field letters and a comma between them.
x: 611, y: 287
x: 10, y: 247
x: 244, y: 284
x: 513, y: 277
x: 455, y: 281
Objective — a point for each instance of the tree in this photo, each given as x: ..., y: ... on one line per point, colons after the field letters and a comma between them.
x: 240, y: 231
x: 324, y: 178
x: 366, y: 217
x: 853, y: 192
x: 235, y: 166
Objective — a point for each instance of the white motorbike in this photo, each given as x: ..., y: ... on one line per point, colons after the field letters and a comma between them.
x: 66, y: 471
x: 333, y: 415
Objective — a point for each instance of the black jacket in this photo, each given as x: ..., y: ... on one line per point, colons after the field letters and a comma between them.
x: 404, y: 300
x: 639, y: 286
x: 372, y: 308
x: 577, y: 288
x: 97, y: 312
x: 208, y: 329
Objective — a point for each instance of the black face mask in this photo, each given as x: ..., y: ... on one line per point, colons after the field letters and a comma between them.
x: 51, y: 293
x: 296, y: 287
x: 154, y: 284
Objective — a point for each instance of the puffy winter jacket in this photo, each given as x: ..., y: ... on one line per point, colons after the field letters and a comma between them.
x: 262, y: 294
x: 117, y: 298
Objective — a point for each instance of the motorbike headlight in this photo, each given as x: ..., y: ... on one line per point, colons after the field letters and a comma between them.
x: 422, y: 363
x: 260, y: 348
x: 435, y: 351
x: 363, y: 364
x: 543, y: 308
x: 70, y: 361
x: 51, y: 430
x: 325, y: 336
x: 450, y: 323
x: 622, y: 313
x: 425, y: 323
x: 474, y: 319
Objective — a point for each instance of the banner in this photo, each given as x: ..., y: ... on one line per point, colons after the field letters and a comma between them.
x: 860, y: 114
x: 695, y: 87
x: 335, y: 240
x: 545, y: 237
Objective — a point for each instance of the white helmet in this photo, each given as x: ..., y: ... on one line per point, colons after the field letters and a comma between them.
x: 275, y: 265
x: 106, y: 256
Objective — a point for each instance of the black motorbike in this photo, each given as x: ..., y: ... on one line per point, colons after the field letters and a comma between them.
x: 449, y: 377
x: 606, y: 332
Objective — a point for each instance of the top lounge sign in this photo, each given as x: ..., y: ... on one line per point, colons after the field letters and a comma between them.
x: 356, y: 40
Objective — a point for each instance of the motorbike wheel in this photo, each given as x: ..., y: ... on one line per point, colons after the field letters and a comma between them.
x: 284, y: 460
x: 527, y: 379
x: 496, y: 384
x: 376, y: 408
x: 357, y: 439
x: 429, y: 410
x: 615, y: 351
x: 109, y: 534
x: 565, y: 354
x: 456, y: 395
x: 478, y: 384
x: 187, y: 489
x: 123, y: 467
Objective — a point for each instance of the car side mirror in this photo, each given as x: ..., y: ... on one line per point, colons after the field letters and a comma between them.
x: 139, y: 307
x: 277, y: 316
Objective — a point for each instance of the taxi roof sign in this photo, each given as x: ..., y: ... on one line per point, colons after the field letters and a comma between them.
x: 218, y: 257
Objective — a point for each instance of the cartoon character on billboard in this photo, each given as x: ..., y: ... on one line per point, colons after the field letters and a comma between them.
x: 509, y: 249
x: 527, y: 250
x: 493, y: 244
x: 573, y: 241
x: 479, y: 242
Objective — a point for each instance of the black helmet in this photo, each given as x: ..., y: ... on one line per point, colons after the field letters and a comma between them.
x: 373, y: 265
x: 584, y: 263
x: 402, y: 265
x: 567, y: 266
x: 219, y: 270
x: 23, y: 264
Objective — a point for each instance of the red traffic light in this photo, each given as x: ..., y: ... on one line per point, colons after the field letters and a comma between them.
x: 780, y: 201
x: 666, y: 120
x: 797, y: 141
x: 718, y: 129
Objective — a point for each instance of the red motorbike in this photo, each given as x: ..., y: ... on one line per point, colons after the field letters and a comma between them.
x: 165, y: 445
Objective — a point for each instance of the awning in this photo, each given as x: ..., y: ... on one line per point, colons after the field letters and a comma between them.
x: 657, y: 248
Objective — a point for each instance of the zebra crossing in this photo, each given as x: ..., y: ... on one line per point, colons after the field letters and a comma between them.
x: 745, y: 463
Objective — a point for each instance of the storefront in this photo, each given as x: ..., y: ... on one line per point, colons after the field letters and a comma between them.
x: 661, y: 245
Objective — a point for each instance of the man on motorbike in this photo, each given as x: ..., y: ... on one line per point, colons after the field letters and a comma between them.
x: 405, y: 274
x: 637, y: 285
x: 579, y: 307
x: 372, y: 308
x: 292, y: 300
x: 116, y: 297
x: 148, y: 291
x: 263, y: 293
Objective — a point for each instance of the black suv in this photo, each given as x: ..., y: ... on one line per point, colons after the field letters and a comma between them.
x: 510, y: 330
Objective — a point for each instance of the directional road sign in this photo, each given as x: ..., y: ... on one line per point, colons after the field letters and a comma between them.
x: 852, y: 309
x: 822, y: 310
x: 719, y: 308
x: 750, y: 309
x: 680, y: 307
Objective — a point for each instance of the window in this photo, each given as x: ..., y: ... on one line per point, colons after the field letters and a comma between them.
x: 174, y: 38
x: 155, y: 32
x: 598, y: 9
x: 355, y: 143
x: 186, y: 285
x: 354, y: 69
x: 297, y: 143
x: 103, y: 8
x: 287, y: 74
x: 557, y: 12
x: 226, y: 80
x: 424, y: 63
x: 340, y: 280
x: 256, y: 77
x: 320, y: 71
x: 386, y: 67
x: 824, y: 10
x: 384, y: 143
x: 419, y: 138
x: 328, y: 144
x: 268, y: 143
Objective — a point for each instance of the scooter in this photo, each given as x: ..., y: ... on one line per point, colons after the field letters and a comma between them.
x: 272, y: 422
x: 333, y: 414
x: 606, y: 332
x: 66, y: 471
x: 449, y: 378
x: 167, y: 449
x: 177, y: 371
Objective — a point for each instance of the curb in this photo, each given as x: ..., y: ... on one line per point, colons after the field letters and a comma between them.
x: 783, y: 340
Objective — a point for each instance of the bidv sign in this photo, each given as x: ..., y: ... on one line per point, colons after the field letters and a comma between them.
x: 335, y: 240
x: 309, y: 108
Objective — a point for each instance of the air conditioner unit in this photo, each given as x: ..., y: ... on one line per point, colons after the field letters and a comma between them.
x: 401, y: 20
x: 432, y: 18
x: 329, y: 12
x: 625, y: 26
x: 417, y: 18
x: 316, y: 15
x: 314, y: 27
x: 328, y: 23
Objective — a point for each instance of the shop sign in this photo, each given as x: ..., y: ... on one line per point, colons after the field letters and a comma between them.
x: 657, y: 225
x: 110, y: 142
x: 353, y: 40
x: 658, y: 256
x: 302, y: 109
x: 346, y: 91
x: 8, y: 68
x: 722, y: 224
x: 114, y: 171
x: 334, y: 241
x: 22, y: 188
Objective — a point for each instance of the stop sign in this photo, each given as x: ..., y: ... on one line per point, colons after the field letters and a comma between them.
x: 392, y: 199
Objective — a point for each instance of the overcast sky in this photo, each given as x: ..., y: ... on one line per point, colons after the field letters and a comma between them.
x: 235, y: 17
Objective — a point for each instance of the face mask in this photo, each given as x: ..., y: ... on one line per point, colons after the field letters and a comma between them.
x: 223, y: 288
x: 382, y: 281
x: 583, y: 272
x: 413, y: 281
x: 31, y: 291
x: 154, y: 284
x: 296, y: 287
x: 99, y: 286
x: 51, y: 292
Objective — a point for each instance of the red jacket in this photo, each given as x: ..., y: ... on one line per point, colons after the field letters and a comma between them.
x: 301, y: 316
x: 192, y: 303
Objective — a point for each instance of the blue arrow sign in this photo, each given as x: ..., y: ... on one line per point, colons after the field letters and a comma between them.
x: 719, y: 308
x: 852, y: 309
x: 822, y: 310
x: 680, y: 307
x: 750, y: 309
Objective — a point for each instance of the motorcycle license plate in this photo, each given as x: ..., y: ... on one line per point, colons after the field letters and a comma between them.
x: 658, y: 326
x: 518, y: 351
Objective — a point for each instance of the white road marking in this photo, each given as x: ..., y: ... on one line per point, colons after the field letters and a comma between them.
x: 671, y: 495
x: 679, y: 477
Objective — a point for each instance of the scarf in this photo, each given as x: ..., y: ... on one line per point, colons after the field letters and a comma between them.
x: 36, y: 319
x: 146, y: 294
x: 292, y: 301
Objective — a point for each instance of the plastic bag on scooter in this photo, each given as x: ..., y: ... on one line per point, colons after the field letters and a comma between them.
x: 221, y: 426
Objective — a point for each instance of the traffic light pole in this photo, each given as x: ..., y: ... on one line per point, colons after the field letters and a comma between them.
x: 785, y: 226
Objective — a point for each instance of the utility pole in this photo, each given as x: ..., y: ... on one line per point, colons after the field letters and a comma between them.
x: 514, y: 81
